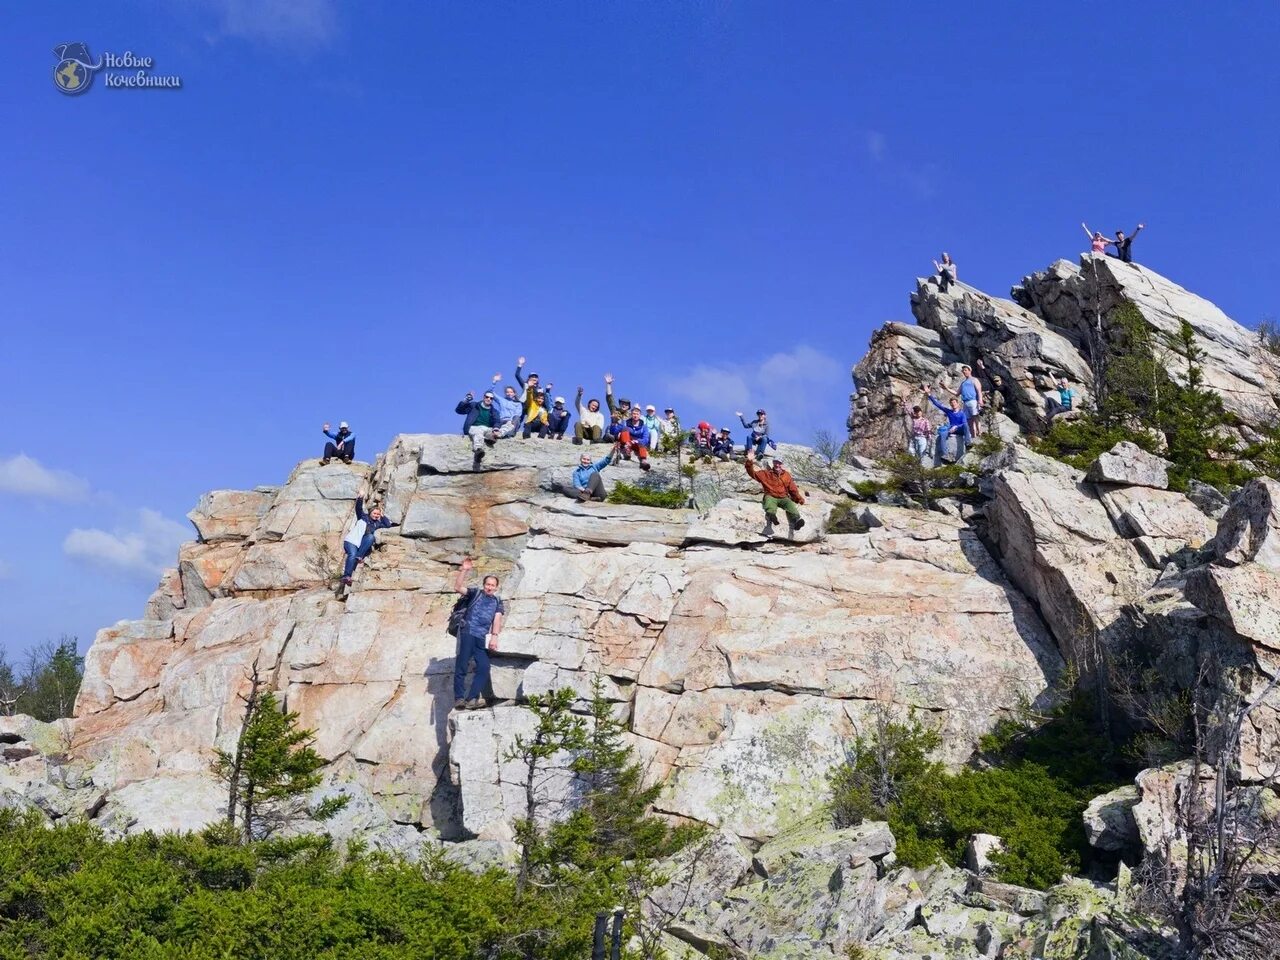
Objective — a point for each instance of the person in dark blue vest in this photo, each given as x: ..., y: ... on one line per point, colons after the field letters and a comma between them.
x: 341, y: 444
x: 360, y: 538
x: 478, y: 636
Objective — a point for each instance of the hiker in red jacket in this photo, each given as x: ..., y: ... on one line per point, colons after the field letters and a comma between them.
x: 780, y: 490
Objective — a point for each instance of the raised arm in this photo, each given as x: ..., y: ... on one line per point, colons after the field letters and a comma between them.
x: 360, y: 514
x: 459, y: 581
x: 934, y: 401
x: 608, y: 392
x: 577, y: 402
x: 1087, y: 232
x: 1136, y: 230
x: 520, y: 371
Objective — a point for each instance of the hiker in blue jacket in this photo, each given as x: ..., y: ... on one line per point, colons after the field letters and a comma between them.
x: 957, y: 426
x: 759, y: 438
x: 480, y: 423
x: 557, y: 421
x: 477, y: 637
x: 341, y: 444
x: 510, y: 410
x: 722, y: 446
x: 634, y: 438
x: 587, y: 482
x: 360, y: 538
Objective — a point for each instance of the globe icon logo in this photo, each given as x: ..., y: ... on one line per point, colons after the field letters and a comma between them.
x: 74, y: 73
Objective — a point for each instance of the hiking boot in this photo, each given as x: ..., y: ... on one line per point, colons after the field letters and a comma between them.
x: 324, y: 462
x: 645, y: 466
x: 476, y: 458
x: 626, y: 456
x: 475, y: 704
x: 798, y: 524
x: 346, y: 581
x: 583, y: 495
x: 767, y: 531
x: 459, y: 704
x: 577, y: 441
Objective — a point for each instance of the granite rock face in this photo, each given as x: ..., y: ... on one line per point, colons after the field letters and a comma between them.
x: 742, y: 665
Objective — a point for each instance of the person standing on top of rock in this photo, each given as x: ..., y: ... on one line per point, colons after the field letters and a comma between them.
x: 360, y: 538
x: 634, y: 438
x: 1098, y: 243
x: 590, y: 426
x: 477, y: 637
x: 480, y: 423
x: 1064, y: 401
x: 957, y: 426
x: 621, y: 407
x: 654, y: 425
x: 947, y: 274
x: 759, y: 428
x: 970, y: 394
x: 557, y: 421
x: 1124, y: 244
x: 341, y: 444
x: 780, y: 490
x: 918, y: 431
x: 587, y: 482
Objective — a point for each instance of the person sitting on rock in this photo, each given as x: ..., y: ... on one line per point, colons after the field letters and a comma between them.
x: 480, y: 423
x: 613, y: 432
x: 478, y: 635
x: 587, y: 482
x: 634, y: 438
x: 671, y: 434
x: 655, y: 426
x: 759, y: 437
x: 919, y: 429
x: 557, y: 421
x: 590, y: 425
x: 1124, y: 244
x: 621, y: 407
x: 360, y: 538
x: 946, y: 271
x: 957, y: 426
x: 780, y: 490
x: 510, y: 411
x: 704, y: 439
x: 1060, y: 400
x: 341, y: 444
x: 722, y: 447
x: 536, y: 414
x: 1098, y: 243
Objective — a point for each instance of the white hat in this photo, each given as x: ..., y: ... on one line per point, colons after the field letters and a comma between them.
x: 559, y: 399
x: 652, y: 407
x: 343, y: 426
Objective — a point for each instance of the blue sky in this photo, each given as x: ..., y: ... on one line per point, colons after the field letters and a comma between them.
x: 359, y: 211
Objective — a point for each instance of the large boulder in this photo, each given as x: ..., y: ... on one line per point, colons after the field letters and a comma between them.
x: 1130, y: 465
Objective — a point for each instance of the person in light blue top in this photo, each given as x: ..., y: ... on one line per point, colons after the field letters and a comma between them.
x: 587, y: 482
x: 1064, y: 401
x: 970, y: 394
x: 957, y: 426
x: 759, y: 437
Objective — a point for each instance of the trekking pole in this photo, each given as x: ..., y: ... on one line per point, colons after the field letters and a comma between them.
x: 597, y: 941
x: 616, y: 952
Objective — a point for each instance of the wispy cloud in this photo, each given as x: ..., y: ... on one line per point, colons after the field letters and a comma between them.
x: 920, y: 178
x: 877, y: 145
x: 297, y: 23
x: 28, y: 477
x: 794, y: 386
x: 144, y: 548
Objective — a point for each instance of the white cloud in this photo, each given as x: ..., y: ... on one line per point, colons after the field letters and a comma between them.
x: 145, y: 549
x: 299, y: 23
x: 803, y: 390
x: 920, y: 178
x: 28, y: 477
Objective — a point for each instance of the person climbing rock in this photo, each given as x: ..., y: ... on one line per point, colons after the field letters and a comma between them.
x: 759, y: 437
x: 360, y: 538
x: 1097, y: 242
x: 780, y: 490
x: 634, y: 438
x: 587, y: 482
x: 722, y: 448
x: 957, y: 426
x: 1124, y: 245
x: 341, y: 444
x: 970, y: 394
x: 623, y: 406
x: 590, y: 425
x: 947, y: 274
x: 477, y: 637
x: 557, y: 421
x: 480, y: 423
x: 1060, y: 400
x: 919, y: 430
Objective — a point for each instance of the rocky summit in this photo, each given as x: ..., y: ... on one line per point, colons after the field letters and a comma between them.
x: 743, y: 666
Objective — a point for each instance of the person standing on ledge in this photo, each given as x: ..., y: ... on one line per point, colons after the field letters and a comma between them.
x: 946, y: 271
x: 478, y: 636
x: 970, y: 394
x: 360, y: 538
x: 1124, y: 244
x: 780, y: 490
x: 341, y: 444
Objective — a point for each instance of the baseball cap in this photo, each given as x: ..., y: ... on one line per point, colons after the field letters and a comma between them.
x: 652, y: 407
x: 559, y: 399
x: 343, y: 426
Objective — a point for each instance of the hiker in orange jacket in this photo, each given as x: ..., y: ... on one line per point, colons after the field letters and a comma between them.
x: 780, y: 490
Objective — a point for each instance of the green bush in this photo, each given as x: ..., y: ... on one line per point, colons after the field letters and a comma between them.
x: 1032, y: 794
x: 844, y: 519
x: 648, y: 496
x: 867, y: 489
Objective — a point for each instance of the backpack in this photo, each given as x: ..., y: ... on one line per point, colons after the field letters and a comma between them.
x: 458, y: 615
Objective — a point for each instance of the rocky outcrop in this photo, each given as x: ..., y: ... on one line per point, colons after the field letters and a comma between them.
x: 742, y: 665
